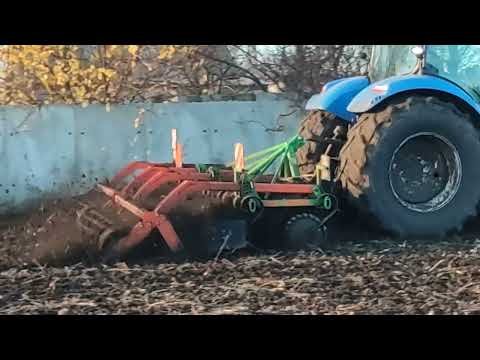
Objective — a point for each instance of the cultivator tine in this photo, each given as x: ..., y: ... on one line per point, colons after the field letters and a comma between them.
x: 139, y: 179
x: 139, y: 232
x: 148, y: 171
x: 122, y: 202
x: 128, y: 170
x: 173, y: 175
x: 169, y: 234
x: 150, y: 185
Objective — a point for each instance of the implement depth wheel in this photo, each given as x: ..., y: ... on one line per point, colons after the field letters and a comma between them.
x: 304, y: 231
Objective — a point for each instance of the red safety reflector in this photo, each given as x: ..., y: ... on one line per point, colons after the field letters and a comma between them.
x: 380, y: 88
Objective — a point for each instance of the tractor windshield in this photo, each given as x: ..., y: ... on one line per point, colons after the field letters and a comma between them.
x: 391, y: 60
x: 457, y: 63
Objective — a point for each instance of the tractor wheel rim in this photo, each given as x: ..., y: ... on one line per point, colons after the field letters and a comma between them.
x: 425, y: 172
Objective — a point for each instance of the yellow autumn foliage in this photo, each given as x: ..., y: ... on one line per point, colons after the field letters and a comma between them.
x: 46, y: 74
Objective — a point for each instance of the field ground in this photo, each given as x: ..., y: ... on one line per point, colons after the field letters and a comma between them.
x: 380, y: 277
x: 356, y: 277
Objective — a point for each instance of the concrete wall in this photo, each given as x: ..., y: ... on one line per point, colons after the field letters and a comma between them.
x: 62, y: 151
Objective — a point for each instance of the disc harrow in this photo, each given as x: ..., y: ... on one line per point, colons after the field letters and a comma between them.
x: 152, y: 192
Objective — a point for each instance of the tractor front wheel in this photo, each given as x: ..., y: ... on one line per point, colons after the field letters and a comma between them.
x: 413, y: 167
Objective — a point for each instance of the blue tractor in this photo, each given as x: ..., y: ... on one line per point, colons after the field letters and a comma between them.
x: 406, y: 137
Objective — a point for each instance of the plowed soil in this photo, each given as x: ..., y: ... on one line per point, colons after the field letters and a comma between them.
x: 48, y: 234
x: 379, y: 276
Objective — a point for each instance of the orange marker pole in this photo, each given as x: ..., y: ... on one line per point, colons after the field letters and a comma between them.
x: 174, y: 144
x: 239, y: 160
x: 179, y: 156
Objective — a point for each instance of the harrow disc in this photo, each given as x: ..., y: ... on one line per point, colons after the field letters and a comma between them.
x: 98, y: 229
x: 102, y: 226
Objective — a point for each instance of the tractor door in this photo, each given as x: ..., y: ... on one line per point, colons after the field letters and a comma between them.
x: 457, y: 63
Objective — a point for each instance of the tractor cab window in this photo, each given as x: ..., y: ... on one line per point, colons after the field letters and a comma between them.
x: 391, y: 60
x: 457, y: 63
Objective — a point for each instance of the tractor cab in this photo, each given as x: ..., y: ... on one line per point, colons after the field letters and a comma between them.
x: 459, y: 64
x: 391, y: 60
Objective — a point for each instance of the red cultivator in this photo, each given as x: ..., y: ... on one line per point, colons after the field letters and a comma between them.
x: 150, y: 193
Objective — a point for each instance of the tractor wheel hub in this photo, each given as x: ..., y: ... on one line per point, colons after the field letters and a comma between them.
x: 425, y: 172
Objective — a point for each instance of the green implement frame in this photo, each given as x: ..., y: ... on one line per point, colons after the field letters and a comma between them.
x: 284, y: 156
x: 259, y: 163
x: 281, y: 161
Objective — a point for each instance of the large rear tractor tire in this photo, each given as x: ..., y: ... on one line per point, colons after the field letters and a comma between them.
x: 413, y: 167
x: 317, y: 128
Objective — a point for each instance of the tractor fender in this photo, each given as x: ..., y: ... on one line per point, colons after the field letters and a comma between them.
x: 336, y: 95
x: 381, y: 91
